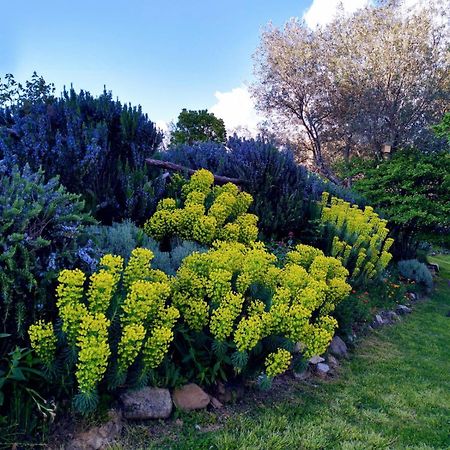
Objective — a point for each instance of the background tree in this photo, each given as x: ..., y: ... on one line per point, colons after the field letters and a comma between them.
x: 198, y: 126
x: 97, y: 146
x: 413, y: 191
x: 379, y: 76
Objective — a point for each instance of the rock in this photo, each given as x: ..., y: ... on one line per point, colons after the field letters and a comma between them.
x: 338, y: 347
x: 332, y: 362
x: 98, y: 438
x: 389, y: 317
x: 412, y: 296
x: 316, y: 360
x: 322, y: 370
x: 215, y: 403
x: 392, y: 316
x: 403, y: 310
x: 147, y: 403
x: 190, y: 397
x: 378, y: 321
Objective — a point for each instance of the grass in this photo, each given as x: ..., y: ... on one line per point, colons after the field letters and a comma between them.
x: 394, y: 393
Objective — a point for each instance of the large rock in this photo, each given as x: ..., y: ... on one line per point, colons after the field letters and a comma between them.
x: 98, y: 438
x: 147, y: 403
x: 338, y: 347
x: 190, y: 397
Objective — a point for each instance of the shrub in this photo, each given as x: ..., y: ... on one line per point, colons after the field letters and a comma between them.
x: 207, y: 213
x: 284, y: 192
x: 241, y: 313
x: 122, y: 238
x: 96, y: 145
x: 23, y: 410
x: 416, y: 271
x: 119, y: 324
x: 358, y: 238
x: 40, y: 228
x: 412, y: 190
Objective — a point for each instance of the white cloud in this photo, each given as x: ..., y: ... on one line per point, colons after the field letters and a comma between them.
x: 237, y: 109
x: 162, y: 125
x: 323, y: 11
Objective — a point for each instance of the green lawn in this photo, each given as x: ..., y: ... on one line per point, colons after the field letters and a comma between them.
x: 394, y: 393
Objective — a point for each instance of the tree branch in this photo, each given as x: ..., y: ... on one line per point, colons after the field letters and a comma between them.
x: 219, y: 179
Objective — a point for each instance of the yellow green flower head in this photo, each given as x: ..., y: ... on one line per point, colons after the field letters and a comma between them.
x: 71, y: 286
x: 138, y: 267
x: 223, y: 317
x: 93, y: 352
x: 157, y: 346
x: 43, y: 341
x: 248, y: 333
x: 278, y: 362
x: 359, y: 238
x: 304, y: 255
x: 168, y: 204
x: 112, y: 264
x: 129, y: 345
x: 100, y: 292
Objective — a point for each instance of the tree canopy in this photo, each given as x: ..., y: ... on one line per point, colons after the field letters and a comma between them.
x: 198, y: 126
x: 379, y: 76
x: 413, y: 190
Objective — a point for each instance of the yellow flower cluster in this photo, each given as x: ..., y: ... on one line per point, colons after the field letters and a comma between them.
x: 360, y: 237
x: 130, y: 344
x: 157, y: 346
x: 278, y: 362
x: 94, y: 351
x: 101, y: 288
x: 226, y: 219
x: 138, y: 267
x: 216, y: 289
x: 145, y: 321
x: 43, y: 341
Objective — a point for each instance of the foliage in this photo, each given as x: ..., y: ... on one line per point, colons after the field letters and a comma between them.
x: 377, y: 76
x: 357, y: 238
x: 238, y: 307
x: 119, y: 326
x: 40, y: 225
x: 122, y: 238
x: 225, y: 219
x: 416, y: 271
x: 96, y: 145
x: 284, y: 192
x: 346, y: 413
x: 197, y: 126
x: 442, y: 129
x: 21, y: 382
x: 412, y: 190
x: 360, y: 306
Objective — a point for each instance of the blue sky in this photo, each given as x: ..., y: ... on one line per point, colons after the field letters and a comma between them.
x: 162, y: 55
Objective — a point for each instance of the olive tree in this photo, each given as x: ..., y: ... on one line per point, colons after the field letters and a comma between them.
x: 378, y: 76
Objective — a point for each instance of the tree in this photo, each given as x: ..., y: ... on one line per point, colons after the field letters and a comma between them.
x: 379, y: 76
x: 198, y: 126
x: 413, y: 191
x: 97, y: 146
